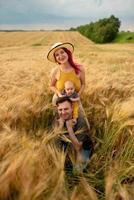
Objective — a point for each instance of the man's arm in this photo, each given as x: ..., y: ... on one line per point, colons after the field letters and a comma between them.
x: 73, y: 138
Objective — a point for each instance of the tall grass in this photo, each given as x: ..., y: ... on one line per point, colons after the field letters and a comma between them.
x: 31, y: 165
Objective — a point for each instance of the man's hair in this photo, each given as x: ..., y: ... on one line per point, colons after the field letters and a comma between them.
x: 63, y: 99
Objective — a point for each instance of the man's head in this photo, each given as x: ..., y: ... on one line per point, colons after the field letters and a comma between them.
x: 64, y: 106
x: 69, y: 88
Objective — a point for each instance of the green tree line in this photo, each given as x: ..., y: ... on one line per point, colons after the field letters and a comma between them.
x: 102, y: 31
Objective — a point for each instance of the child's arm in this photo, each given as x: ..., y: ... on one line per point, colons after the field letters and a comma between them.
x: 75, y: 97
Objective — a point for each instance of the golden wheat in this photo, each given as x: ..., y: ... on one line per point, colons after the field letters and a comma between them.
x: 31, y: 165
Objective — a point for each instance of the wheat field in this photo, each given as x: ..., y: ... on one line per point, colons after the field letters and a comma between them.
x: 31, y: 167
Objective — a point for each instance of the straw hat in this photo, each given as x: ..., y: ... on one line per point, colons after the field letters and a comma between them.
x: 58, y: 45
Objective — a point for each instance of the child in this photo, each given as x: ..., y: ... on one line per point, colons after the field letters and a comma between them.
x: 69, y: 91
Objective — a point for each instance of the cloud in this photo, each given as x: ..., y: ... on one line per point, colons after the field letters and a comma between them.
x: 59, y: 11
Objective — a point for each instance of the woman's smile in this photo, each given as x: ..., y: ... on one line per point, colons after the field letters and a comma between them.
x: 61, y: 56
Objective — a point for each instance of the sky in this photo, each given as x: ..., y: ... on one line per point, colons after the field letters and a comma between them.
x: 63, y: 14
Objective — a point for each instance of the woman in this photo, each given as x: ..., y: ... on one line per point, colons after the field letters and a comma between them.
x: 67, y: 70
x: 61, y: 53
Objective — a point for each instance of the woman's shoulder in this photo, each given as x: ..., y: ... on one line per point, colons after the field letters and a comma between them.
x: 55, y: 72
x: 82, y: 69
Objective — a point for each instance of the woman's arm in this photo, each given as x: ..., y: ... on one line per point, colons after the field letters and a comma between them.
x: 53, y: 81
x: 82, y: 79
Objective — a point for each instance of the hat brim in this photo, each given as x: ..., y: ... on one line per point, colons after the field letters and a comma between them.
x: 50, y: 55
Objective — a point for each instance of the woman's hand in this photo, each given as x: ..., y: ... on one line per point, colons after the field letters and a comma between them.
x: 61, y: 95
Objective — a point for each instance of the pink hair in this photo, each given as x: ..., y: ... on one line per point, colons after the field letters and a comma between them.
x: 70, y: 60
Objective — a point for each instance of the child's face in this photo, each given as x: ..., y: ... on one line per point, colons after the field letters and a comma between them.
x: 69, y: 88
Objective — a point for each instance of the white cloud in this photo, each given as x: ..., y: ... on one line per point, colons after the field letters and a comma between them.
x: 37, y: 11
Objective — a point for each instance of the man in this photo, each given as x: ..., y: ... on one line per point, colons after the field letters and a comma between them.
x: 77, y: 133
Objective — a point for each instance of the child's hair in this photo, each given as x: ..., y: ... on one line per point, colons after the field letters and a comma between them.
x: 69, y: 82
